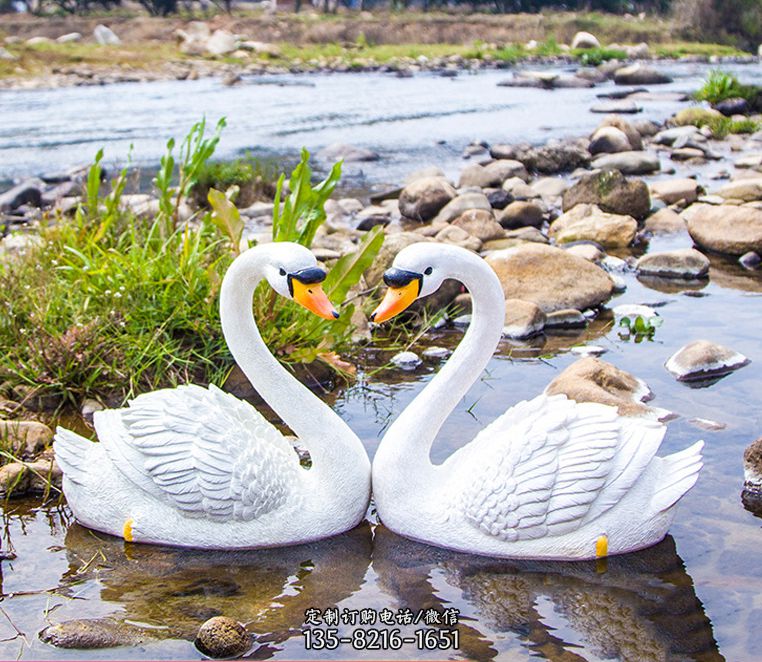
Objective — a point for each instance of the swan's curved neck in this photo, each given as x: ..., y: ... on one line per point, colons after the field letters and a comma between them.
x: 333, y: 447
x: 405, y: 450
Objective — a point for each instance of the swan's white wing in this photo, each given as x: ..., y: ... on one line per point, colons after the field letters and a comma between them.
x: 202, y: 450
x: 550, y: 465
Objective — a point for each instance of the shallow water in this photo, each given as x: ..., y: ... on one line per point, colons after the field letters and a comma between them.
x: 696, y: 596
x: 405, y: 120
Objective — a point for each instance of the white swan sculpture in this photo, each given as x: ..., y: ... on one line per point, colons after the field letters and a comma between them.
x: 196, y: 467
x: 549, y: 479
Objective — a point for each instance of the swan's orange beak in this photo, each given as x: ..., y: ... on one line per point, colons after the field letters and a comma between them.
x: 395, y: 301
x: 312, y: 297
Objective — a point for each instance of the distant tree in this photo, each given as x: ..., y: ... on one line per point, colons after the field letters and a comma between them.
x: 735, y: 21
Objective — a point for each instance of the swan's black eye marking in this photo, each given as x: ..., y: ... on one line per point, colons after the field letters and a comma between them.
x: 428, y: 271
x: 282, y: 271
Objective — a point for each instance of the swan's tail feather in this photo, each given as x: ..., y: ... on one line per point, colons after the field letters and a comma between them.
x: 679, y: 473
x: 71, y: 451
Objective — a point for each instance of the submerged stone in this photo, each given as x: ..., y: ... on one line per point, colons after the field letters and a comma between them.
x: 92, y: 633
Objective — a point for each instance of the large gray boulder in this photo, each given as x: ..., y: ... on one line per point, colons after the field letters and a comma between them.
x: 550, y: 277
x: 423, y: 198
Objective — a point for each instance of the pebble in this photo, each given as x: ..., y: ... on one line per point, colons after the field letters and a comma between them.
x: 436, y: 352
x: 707, y: 424
x: 634, y: 310
x: 221, y: 636
x: 406, y: 360
x: 462, y: 321
x: 750, y: 260
x: 588, y: 350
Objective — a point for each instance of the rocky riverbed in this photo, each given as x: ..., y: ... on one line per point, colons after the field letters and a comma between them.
x: 638, y: 242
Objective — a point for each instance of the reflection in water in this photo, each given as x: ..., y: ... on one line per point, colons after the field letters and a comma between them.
x: 636, y: 607
x: 639, y: 606
x: 180, y: 589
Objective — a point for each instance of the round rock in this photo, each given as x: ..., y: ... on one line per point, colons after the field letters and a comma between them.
x: 609, y: 140
x: 406, y: 360
x: 592, y: 380
x: 422, y: 199
x: 588, y: 222
x: 682, y: 263
x: 726, y: 228
x: 550, y: 277
x: 521, y: 214
x: 221, y: 636
x: 703, y: 359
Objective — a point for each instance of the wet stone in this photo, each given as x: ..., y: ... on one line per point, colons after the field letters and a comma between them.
x: 406, y: 360
x: 683, y: 263
x: 568, y: 318
x: 221, y: 636
x: 92, y: 634
x: 592, y: 380
x: 523, y: 319
x: 702, y: 360
x: 434, y: 353
x: 750, y: 260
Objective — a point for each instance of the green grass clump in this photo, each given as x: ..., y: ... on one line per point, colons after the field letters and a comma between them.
x: 113, y: 311
x: 252, y: 176
x: 723, y: 126
x: 510, y: 53
x: 721, y: 85
x: 109, y: 305
x: 592, y: 57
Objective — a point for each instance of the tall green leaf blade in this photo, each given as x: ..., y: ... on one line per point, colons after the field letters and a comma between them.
x: 348, y: 269
x: 226, y: 217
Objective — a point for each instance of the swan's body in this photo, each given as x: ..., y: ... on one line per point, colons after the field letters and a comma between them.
x: 197, y: 467
x: 551, y: 478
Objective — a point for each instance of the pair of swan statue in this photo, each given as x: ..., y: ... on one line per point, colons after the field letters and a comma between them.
x: 196, y: 467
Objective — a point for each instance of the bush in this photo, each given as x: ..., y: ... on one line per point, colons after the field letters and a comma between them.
x: 254, y: 177
x: 721, y: 85
x: 109, y: 305
x: 735, y: 21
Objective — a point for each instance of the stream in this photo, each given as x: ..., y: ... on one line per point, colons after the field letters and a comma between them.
x: 695, y: 596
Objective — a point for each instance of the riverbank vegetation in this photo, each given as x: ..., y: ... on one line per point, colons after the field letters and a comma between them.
x: 109, y: 303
